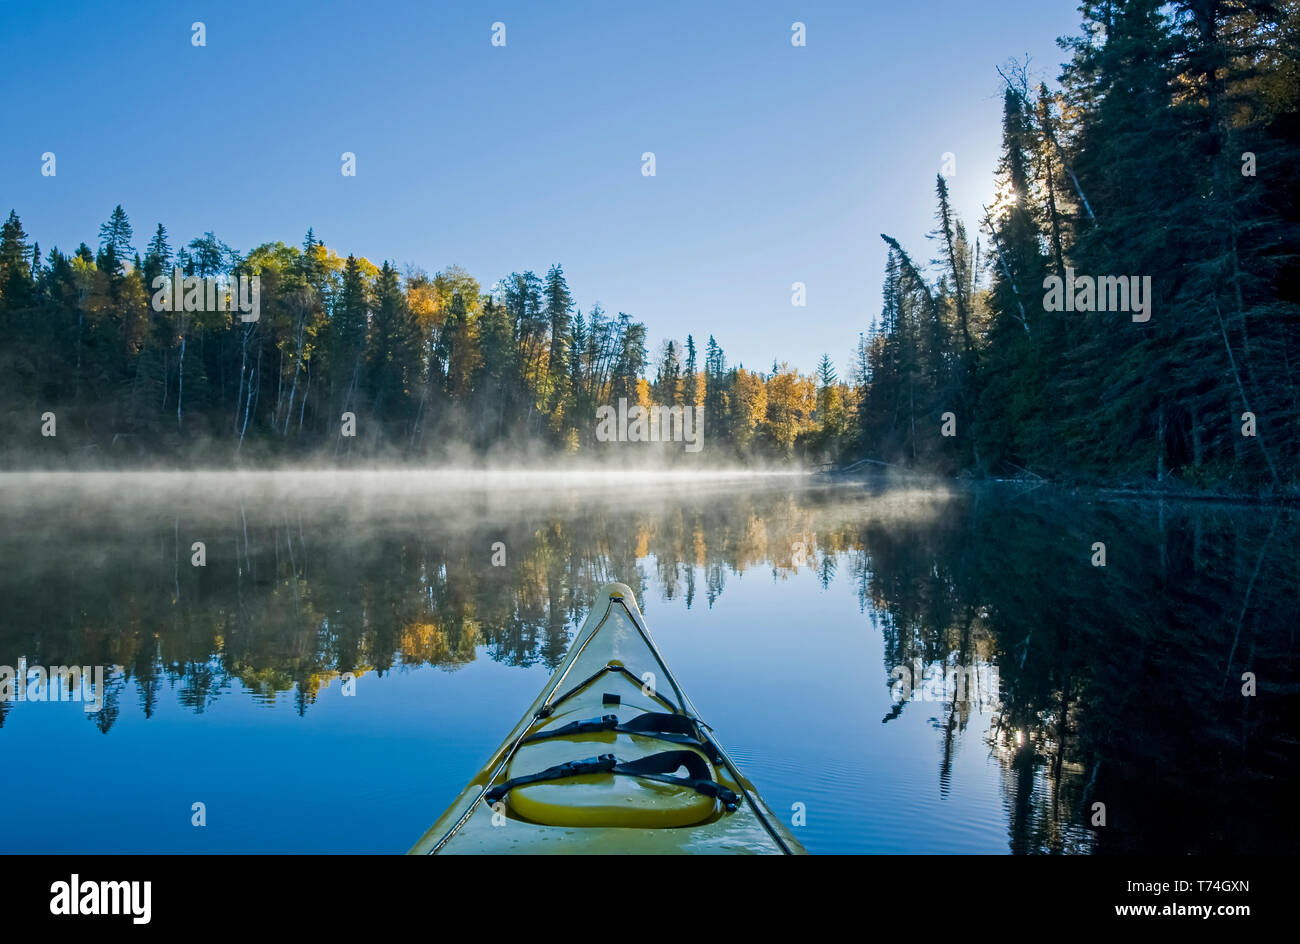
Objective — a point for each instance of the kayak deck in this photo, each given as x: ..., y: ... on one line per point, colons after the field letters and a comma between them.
x: 610, y: 758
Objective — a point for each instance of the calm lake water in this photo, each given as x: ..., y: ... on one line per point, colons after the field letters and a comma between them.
x: 790, y: 612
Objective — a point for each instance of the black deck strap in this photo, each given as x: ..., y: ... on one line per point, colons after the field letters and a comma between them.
x: 573, y: 768
x: 603, y: 723
x: 678, y: 729
x: 660, y: 722
x: 608, y: 699
x: 658, y: 767
x: 660, y: 725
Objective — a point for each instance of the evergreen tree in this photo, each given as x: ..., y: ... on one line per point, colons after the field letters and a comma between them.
x: 347, y: 335
x: 715, y: 371
x: 523, y: 301
x: 629, y: 337
x: 158, y: 254
x: 1023, y: 339
x: 691, y: 381
x: 115, y: 243
x: 15, y: 272
x: 389, y: 354
x: 558, y: 305
x: 498, y: 371
x: 826, y: 376
x: 668, y: 390
x: 210, y: 256
x: 580, y: 406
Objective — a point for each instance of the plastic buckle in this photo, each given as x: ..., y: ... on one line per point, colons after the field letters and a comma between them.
x: 590, y: 765
x: 603, y: 723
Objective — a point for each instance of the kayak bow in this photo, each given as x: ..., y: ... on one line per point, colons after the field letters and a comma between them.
x: 610, y: 758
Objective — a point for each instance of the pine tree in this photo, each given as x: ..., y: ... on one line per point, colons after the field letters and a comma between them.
x: 523, y: 301
x: 310, y: 267
x: 630, y: 337
x: 157, y: 256
x: 559, y: 302
x: 497, y: 382
x: 580, y: 406
x: 1127, y: 138
x: 15, y: 273
x: 389, y: 354
x: 457, y: 349
x: 1014, y: 427
x: 347, y: 335
x: 833, y: 422
x: 957, y: 261
x: 115, y: 243
x: 668, y: 382
x: 826, y: 372
x: 210, y: 255
x: 691, y: 380
x: 715, y: 397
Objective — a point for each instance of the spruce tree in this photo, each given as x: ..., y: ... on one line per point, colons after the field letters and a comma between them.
x: 389, y: 353
x: 559, y: 303
x: 115, y: 243
x: 15, y: 272
x: 668, y: 390
x: 691, y: 381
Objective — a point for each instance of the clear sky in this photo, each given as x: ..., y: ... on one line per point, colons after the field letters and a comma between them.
x: 774, y: 164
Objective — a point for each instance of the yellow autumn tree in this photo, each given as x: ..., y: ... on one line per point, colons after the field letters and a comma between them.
x: 791, y: 402
x: 748, y: 407
x: 643, y: 393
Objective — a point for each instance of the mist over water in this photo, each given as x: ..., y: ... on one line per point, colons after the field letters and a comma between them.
x: 783, y: 604
x: 369, y: 486
x: 38, y: 502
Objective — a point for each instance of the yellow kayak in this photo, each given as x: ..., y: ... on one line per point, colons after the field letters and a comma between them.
x: 610, y: 758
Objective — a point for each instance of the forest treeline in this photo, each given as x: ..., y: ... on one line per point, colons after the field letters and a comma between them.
x: 1166, y: 151
x: 1169, y: 151
x: 429, y: 366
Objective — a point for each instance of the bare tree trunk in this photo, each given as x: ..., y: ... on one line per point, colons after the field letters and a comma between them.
x: 253, y: 391
x: 247, y: 404
x: 180, y: 378
x: 302, y: 410
x: 279, y: 391
x: 243, y: 371
x: 1242, y: 390
x: 297, y: 366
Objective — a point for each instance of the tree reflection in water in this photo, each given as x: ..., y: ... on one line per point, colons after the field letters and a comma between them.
x: 1119, y: 685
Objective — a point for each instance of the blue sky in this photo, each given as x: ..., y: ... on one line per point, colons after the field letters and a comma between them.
x: 775, y: 164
